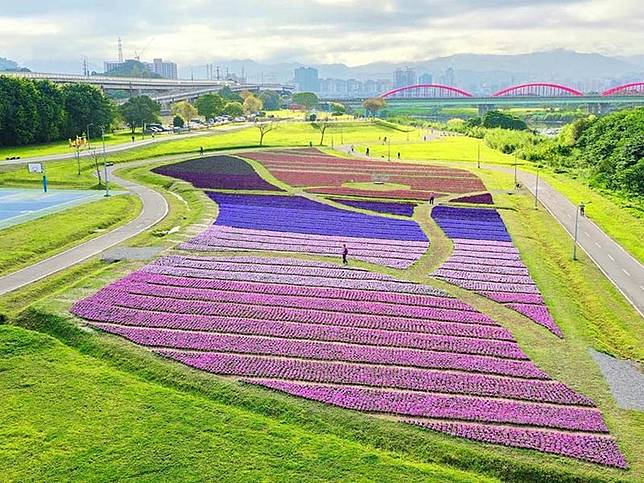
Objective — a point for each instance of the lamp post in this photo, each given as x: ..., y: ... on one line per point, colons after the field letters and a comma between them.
x: 89, y: 142
x: 574, y: 245
x: 388, y: 148
x: 107, y: 182
x: 478, y: 155
x: 536, y: 192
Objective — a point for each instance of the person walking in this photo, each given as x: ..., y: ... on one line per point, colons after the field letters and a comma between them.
x: 367, y: 152
x: 201, y: 151
x: 345, y: 253
x: 398, y: 154
x: 132, y: 138
x: 582, y: 209
x: 431, y: 200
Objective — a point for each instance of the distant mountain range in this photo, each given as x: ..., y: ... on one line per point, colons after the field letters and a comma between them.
x: 475, y: 72
x: 555, y: 65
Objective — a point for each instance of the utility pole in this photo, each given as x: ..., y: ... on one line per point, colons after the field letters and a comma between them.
x: 574, y: 246
x: 89, y: 142
x: 478, y: 155
x: 389, y: 148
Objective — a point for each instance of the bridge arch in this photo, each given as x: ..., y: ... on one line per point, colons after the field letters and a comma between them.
x: 542, y: 89
x: 626, y: 89
x: 425, y: 91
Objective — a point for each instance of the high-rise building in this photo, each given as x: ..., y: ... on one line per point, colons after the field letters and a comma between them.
x: 167, y: 70
x: 404, y: 77
x: 306, y: 79
x: 425, y: 78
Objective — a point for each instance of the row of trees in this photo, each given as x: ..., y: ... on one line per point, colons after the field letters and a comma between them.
x: 40, y: 111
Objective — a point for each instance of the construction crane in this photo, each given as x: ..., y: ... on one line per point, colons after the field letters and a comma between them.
x: 137, y: 55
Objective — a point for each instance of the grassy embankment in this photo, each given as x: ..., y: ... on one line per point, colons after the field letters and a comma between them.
x: 620, y: 220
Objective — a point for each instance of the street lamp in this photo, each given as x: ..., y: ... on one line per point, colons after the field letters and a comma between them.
x: 89, y: 142
x: 478, y: 155
x: 580, y: 211
x: 107, y: 182
x: 389, y: 148
x: 536, y: 192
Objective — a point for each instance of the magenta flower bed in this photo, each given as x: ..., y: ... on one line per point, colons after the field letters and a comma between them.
x: 348, y: 337
x: 485, y: 261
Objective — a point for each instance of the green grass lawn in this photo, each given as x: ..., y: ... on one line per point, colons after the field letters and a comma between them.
x: 33, y: 241
x: 68, y: 416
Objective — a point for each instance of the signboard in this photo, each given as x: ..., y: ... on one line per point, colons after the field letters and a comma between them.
x: 35, y: 167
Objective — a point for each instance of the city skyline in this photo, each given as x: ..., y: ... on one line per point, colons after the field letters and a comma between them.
x: 197, y: 31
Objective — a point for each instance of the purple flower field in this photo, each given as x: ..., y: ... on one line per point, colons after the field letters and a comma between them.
x: 485, y: 261
x: 355, y: 339
x: 482, y: 199
x: 217, y: 172
x: 297, y: 224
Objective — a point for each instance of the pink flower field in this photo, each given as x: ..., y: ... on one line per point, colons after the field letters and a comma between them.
x: 354, y: 339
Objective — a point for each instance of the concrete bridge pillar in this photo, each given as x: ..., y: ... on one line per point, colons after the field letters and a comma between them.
x: 597, y: 108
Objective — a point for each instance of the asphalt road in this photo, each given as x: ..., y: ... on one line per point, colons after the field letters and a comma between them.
x: 626, y: 273
x: 154, y: 210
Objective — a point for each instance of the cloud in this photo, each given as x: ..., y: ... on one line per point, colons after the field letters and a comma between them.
x: 349, y: 31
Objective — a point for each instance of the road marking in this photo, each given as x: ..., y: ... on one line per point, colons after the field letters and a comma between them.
x: 611, y: 257
x: 642, y: 287
x: 598, y: 245
x: 627, y: 274
x: 587, y: 234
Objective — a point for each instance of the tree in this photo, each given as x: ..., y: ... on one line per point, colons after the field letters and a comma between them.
x: 252, y: 104
x: 233, y: 109
x: 338, y: 109
x: 177, y: 121
x: 306, y: 99
x: 227, y: 94
x: 210, y: 105
x: 322, y: 127
x: 85, y: 105
x: 271, y: 100
x: 373, y: 105
x: 493, y: 119
x: 140, y: 110
x: 184, y: 109
x: 51, y: 113
x: 264, y: 128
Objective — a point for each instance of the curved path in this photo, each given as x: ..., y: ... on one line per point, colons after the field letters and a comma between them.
x: 155, y: 208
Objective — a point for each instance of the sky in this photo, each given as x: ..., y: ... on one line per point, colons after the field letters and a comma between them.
x: 353, y: 32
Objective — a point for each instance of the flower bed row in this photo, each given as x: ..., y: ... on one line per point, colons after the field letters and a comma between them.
x: 217, y: 172
x: 400, y: 209
x: 589, y: 447
x: 343, y: 336
x: 485, y: 261
x: 395, y: 194
x: 442, y: 406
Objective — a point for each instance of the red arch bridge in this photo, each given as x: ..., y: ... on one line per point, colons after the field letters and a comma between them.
x: 529, y: 94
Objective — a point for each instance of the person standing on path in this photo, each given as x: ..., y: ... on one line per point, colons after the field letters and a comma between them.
x: 431, y: 200
x: 345, y: 253
x: 398, y: 154
x: 582, y: 209
x: 367, y: 152
x: 201, y: 151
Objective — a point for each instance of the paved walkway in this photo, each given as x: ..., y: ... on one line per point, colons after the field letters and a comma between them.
x: 626, y: 273
x: 154, y: 210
